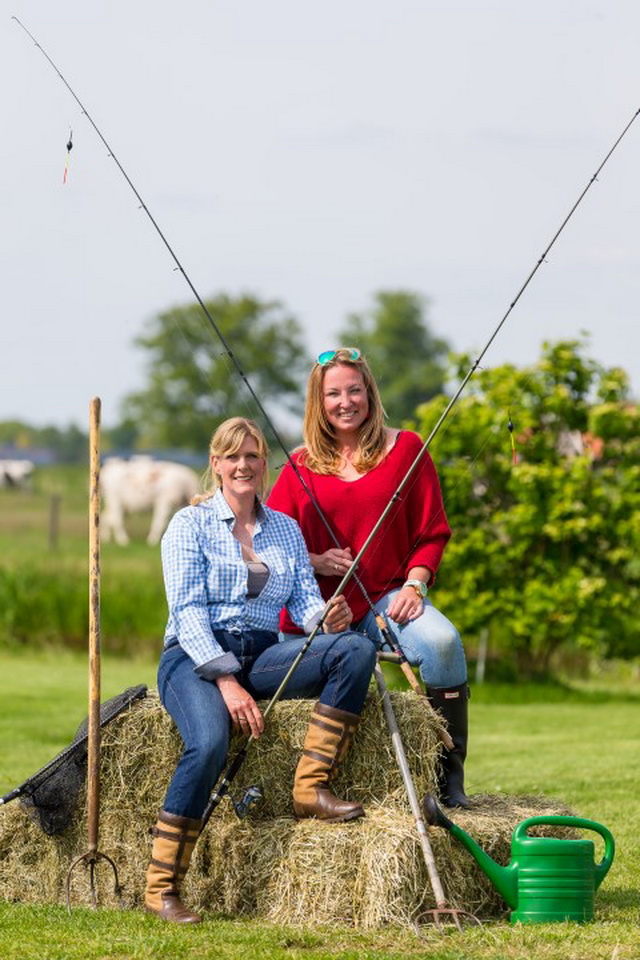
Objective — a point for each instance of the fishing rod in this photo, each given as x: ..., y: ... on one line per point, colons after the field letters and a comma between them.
x: 231, y: 771
x: 381, y: 623
x: 236, y: 763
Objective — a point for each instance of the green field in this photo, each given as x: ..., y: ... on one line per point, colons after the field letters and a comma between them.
x: 576, y: 746
x: 44, y: 577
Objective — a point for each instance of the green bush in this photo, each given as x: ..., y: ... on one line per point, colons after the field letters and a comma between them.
x: 545, y: 548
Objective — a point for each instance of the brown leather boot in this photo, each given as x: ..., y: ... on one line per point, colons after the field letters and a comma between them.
x: 174, y: 840
x: 328, y: 737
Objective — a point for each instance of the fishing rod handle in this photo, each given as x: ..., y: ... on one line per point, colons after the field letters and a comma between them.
x: 397, y: 652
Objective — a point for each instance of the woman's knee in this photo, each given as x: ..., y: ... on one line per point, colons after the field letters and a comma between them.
x: 435, y: 647
x: 432, y: 630
x: 447, y: 640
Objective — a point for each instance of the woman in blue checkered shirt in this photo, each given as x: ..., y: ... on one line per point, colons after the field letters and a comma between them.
x: 230, y: 565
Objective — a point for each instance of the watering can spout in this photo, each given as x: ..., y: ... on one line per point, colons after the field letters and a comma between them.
x: 504, y: 879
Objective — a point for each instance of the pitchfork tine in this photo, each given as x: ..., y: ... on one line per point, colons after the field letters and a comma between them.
x: 90, y: 859
x: 451, y: 913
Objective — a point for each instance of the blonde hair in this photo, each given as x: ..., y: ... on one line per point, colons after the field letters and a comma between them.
x: 320, y: 440
x: 227, y: 440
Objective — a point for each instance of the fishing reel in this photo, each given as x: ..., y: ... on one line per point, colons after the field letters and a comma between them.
x: 251, y: 795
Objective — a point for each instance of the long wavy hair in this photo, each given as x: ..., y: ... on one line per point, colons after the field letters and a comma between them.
x: 322, y: 454
x: 227, y: 440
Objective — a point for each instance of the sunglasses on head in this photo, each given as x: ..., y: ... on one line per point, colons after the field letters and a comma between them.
x: 328, y: 355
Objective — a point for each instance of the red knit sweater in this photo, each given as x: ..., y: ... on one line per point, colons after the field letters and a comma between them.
x: 414, y: 534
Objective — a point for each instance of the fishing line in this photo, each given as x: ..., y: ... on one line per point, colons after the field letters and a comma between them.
x: 234, y: 360
x: 231, y: 357
x: 542, y: 259
x: 229, y: 352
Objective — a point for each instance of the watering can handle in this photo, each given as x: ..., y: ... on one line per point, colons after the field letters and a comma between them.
x: 602, y: 868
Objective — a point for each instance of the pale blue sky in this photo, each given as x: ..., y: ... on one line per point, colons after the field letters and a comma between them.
x: 313, y: 153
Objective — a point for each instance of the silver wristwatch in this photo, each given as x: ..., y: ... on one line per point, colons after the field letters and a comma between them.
x: 419, y: 586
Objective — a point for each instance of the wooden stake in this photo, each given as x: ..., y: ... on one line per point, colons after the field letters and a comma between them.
x: 93, y: 762
x: 92, y: 855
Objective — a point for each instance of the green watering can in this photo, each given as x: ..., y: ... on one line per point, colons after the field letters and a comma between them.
x: 549, y: 880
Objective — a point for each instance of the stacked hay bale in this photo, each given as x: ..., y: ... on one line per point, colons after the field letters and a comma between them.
x: 366, y: 873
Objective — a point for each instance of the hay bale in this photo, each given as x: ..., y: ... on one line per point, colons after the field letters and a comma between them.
x: 141, y: 747
x: 366, y: 873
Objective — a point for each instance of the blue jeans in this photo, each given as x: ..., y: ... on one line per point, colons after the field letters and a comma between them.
x: 431, y: 642
x: 336, y: 667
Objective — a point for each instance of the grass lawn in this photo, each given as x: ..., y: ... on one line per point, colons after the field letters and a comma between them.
x: 577, y: 746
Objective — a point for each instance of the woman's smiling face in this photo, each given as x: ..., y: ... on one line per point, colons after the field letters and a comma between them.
x: 241, y: 472
x: 346, y: 404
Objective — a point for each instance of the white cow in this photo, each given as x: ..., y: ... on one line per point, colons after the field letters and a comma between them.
x: 142, y: 483
x: 16, y: 473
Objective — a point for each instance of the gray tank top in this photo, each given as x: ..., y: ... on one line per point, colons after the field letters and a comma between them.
x: 257, y: 576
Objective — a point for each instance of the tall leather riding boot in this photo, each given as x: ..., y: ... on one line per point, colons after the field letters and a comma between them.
x: 174, y: 840
x: 328, y: 737
x: 452, y: 704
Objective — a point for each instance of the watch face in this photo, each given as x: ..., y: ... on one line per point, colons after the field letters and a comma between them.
x: 419, y: 587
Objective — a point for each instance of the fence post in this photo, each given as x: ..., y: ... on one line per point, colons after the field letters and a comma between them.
x: 54, y: 520
x: 481, y: 663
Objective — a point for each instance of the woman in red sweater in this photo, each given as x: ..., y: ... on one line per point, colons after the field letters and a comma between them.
x: 352, y: 464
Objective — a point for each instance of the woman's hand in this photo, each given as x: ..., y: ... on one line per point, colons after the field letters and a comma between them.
x: 332, y: 563
x: 339, y: 617
x: 244, y: 711
x: 405, y: 606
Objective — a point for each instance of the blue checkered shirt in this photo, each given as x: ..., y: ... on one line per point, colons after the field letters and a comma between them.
x: 206, y: 580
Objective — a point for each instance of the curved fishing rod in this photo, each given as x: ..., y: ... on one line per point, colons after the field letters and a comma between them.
x: 236, y: 763
x: 388, y: 637
x: 380, y: 619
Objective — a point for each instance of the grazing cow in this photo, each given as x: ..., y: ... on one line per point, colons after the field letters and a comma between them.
x: 129, y: 486
x: 16, y: 473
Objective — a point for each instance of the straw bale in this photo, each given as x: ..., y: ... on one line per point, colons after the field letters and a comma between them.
x: 365, y: 873
x: 141, y: 747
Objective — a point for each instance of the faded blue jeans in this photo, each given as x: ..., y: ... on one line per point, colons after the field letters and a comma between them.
x: 431, y: 643
x: 336, y: 668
